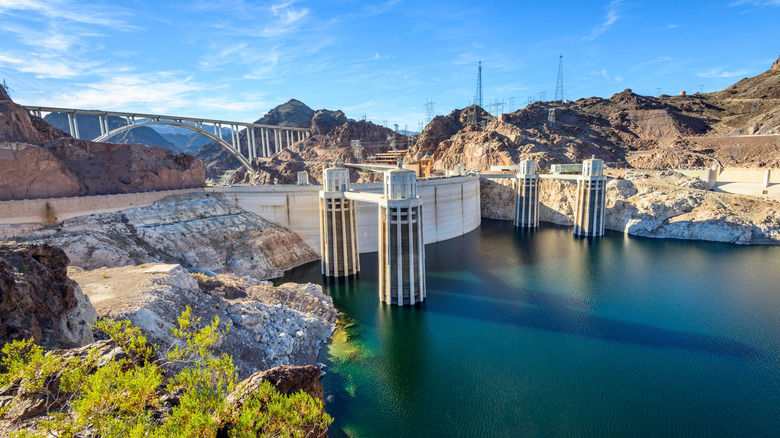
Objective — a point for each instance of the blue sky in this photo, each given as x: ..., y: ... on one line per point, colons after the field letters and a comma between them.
x: 236, y: 59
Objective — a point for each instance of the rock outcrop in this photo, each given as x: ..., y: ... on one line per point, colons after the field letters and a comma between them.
x: 206, y: 232
x: 106, y: 168
x: 34, y: 172
x: 51, y: 163
x: 37, y: 299
x: 270, y: 326
x: 668, y: 205
x: 323, y: 121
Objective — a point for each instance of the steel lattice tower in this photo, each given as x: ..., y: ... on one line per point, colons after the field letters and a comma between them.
x: 559, y: 84
x: 478, y: 97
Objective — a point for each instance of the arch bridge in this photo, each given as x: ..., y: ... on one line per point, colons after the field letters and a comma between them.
x: 272, y: 138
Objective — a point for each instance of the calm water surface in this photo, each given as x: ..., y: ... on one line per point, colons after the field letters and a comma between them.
x: 543, y: 334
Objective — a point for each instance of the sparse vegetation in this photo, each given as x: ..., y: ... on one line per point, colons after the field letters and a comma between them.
x: 127, y: 396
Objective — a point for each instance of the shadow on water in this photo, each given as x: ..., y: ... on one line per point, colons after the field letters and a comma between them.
x: 491, y: 296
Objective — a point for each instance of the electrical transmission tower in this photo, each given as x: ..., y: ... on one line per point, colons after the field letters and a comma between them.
x: 559, y: 84
x: 542, y: 96
x: 429, y: 111
x: 357, y: 149
x: 364, y: 117
x: 511, y: 104
x: 471, y: 115
x: 478, y: 97
x: 530, y: 100
x: 420, y: 126
x: 658, y: 91
x: 6, y: 88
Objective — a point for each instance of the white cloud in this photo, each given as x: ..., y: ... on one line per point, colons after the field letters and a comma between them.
x: 609, y: 19
x: 159, y: 93
x: 757, y: 3
x: 719, y: 72
x: 100, y: 15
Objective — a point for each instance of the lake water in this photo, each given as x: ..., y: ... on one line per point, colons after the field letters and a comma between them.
x: 544, y: 334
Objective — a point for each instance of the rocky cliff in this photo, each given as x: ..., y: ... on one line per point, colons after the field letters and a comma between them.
x: 37, y: 299
x: 667, y: 205
x: 205, y: 232
x: 38, y: 160
x: 270, y: 326
x: 664, y: 131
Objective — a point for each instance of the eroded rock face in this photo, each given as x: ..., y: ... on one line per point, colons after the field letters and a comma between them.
x: 39, y: 301
x: 324, y: 121
x: 265, y: 331
x: 200, y: 231
x: 33, y: 172
x: 105, y: 168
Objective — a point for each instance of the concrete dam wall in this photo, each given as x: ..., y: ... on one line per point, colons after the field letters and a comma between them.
x: 450, y: 208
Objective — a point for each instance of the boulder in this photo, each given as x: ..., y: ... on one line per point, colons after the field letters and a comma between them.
x: 39, y: 301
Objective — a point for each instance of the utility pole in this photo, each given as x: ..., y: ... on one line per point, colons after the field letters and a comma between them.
x: 559, y: 84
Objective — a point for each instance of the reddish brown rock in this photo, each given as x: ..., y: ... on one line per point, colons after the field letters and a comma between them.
x: 33, y: 172
x: 107, y: 168
x: 37, y: 299
x: 15, y: 123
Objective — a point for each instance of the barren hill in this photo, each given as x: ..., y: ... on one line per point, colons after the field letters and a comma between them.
x: 645, y: 131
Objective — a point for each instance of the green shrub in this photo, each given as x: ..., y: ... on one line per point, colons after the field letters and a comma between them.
x: 123, y: 397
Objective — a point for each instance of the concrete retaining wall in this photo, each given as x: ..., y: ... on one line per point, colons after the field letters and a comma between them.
x: 450, y: 208
x: 48, y: 211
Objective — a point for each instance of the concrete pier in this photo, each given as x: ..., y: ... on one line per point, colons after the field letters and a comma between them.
x: 527, y: 196
x: 401, y: 247
x: 590, y: 207
x: 338, y: 225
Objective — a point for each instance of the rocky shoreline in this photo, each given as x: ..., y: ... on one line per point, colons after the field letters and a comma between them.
x: 662, y: 204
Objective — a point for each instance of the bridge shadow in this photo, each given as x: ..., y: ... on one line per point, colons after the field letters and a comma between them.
x: 566, y: 315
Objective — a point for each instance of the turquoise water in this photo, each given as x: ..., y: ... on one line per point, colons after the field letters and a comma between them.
x: 544, y: 334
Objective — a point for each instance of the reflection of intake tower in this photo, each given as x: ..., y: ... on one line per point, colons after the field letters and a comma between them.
x: 589, y: 211
x: 401, y: 248
x: 527, y: 197
x: 338, y: 225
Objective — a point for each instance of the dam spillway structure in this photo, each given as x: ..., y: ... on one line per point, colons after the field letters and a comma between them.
x: 591, y: 204
x: 338, y: 225
x: 527, y: 196
x: 401, y: 247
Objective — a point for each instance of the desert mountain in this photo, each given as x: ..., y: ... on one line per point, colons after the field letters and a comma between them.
x: 89, y: 128
x: 331, y: 139
x: 667, y: 131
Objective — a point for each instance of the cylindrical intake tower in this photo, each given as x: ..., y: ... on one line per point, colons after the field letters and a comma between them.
x: 591, y: 190
x: 338, y: 225
x: 527, y: 196
x: 401, y: 247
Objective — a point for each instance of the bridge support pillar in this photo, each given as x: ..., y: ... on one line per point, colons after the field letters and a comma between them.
x: 527, y: 196
x: 401, y: 245
x: 591, y: 203
x: 338, y: 226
